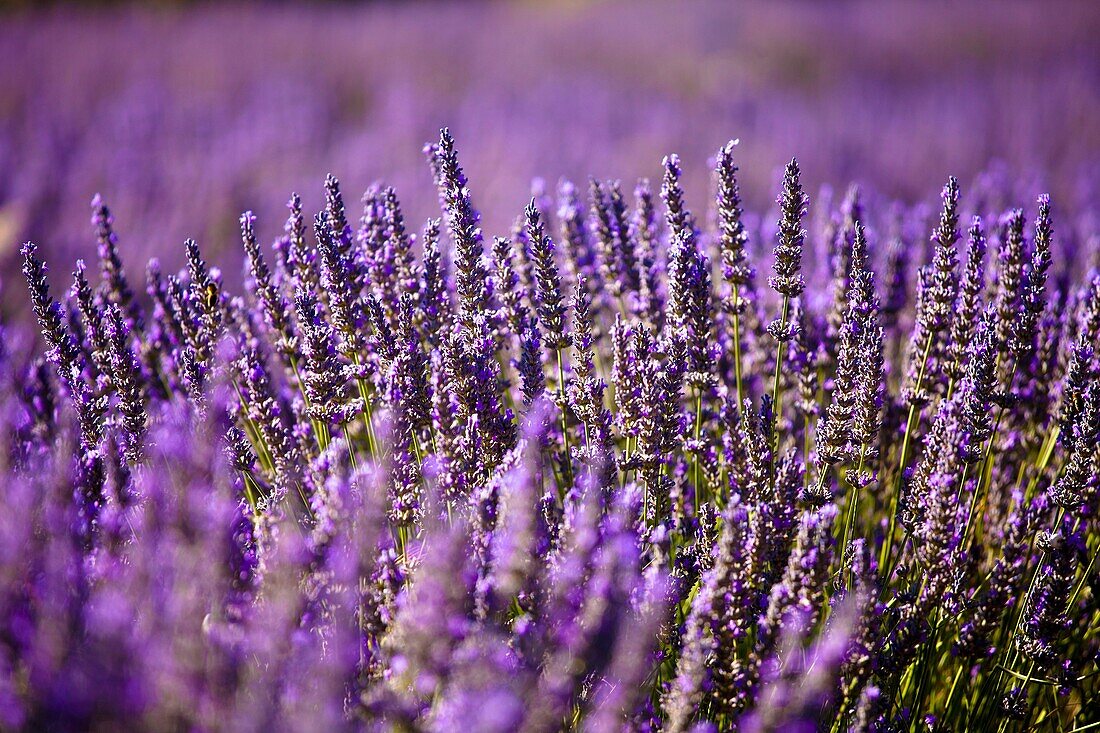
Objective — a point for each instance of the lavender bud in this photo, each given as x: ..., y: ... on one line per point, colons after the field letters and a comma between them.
x: 507, y: 286
x: 462, y: 218
x: 793, y: 203
x: 529, y: 366
x: 551, y: 305
x: 1032, y: 298
x: 127, y: 382
x: 275, y: 309
x: 323, y: 379
x: 968, y: 303
x: 117, y: 287
x: 943, y: 283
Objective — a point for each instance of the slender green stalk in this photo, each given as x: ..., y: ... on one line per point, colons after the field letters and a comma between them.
x: 695, y: 458
x: 947, y: 710
x: 737, y: 344
x: 914, y: 412
x: 320, y: 432
x: 777, y: 409
x: 567, y: 460
x: 851, y: 516
x: 368, y: 417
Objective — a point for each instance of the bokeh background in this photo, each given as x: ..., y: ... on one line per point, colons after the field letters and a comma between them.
x: 184, y: 115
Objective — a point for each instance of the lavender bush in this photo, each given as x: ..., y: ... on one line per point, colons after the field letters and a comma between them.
x: 601, y: 473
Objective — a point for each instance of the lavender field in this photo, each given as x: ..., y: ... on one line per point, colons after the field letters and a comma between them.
x: 550, y: 366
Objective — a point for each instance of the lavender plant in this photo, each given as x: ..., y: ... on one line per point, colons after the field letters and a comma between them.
x: 571, y: 482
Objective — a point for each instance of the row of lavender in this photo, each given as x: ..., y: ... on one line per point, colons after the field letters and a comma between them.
x: 598, y: 474
x: 185, y: 115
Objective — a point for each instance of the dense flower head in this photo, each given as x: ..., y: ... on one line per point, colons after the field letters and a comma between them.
x: 405, y: 483
x: 793, y: 203
x: 549, y: 296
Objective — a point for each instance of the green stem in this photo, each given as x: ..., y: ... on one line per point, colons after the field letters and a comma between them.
x: 567, y: 463
x: 319, y: 430
x: 914, y: 412
x: 351, y: 448
x: 737, y: 343
x: 695, y: 457
x: 850, y: 518
x: 368, y: 418
x: 777, y: 410
x: 951, y: 692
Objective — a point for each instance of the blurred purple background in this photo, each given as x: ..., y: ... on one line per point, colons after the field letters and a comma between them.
x: 182, y: 117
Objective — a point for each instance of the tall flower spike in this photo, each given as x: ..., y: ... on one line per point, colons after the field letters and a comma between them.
x: 617, y: 242
x: 870, y: 373
x: 843, y: 233
x: 645, y: 229
x: 523, y: 264
x: 587, y: 389
x: 64, y: 351
x: 410, y: 400
x: 409, y: 384
x: 627, y: 248
x: 731, y: 226
x: 92, y: 315
x: 680, y: 220
x: 977, y: 388
x: 324, y: 379
x: 689, y: 301
x: 300, y: 256
x: 118, y: 288
x: 370, y: 252
x: 1032, y: 298
x: 168, y: 330
x: 938, y: 289
x: 399, y: 246
x: 463, y: 220
x: 573, y: 233
x: 127, y: 382
x: 507, y: 286
x: 944, y: 282
x: 531, y: 377
x: 626, y: 378
x: 787, y: 281
x: 205, y: 300
x: 263, y: 408
x: 1010, y: 273
x: 551, y: 301
x: 793, y: 203
x: 1044, y: 621
x: 336, y: 214
x: 1089, y: 325
x: 275, y: 309
x: 1079, y: 370
x: 835, y: 430
x: 896, y: 295
x: 968, y: 303
x: 607, y: 243
x: 732, y: 241
x: 1069, y: 490
x: 434, y: 308
x: 804, y: 363
x: 661, y: 424
x: 339, y: 281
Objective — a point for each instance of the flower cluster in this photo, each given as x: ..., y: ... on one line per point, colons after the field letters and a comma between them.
x: 406, y: 481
